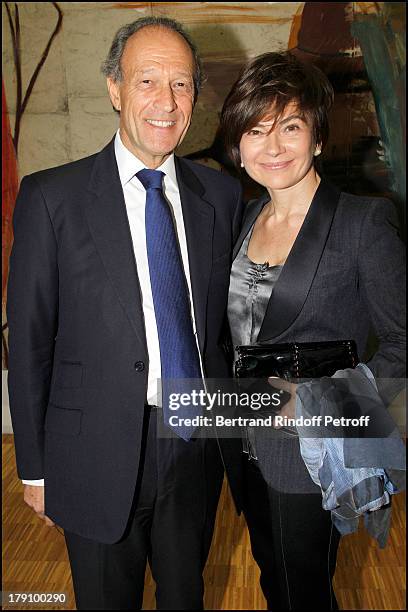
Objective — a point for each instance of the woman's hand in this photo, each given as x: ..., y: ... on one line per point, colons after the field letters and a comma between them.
x: 289, y: 409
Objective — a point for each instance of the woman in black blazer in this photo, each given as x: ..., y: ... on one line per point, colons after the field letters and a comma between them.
x: 311, y: 264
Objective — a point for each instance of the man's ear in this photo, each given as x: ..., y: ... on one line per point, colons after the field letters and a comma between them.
x: 113, y: 89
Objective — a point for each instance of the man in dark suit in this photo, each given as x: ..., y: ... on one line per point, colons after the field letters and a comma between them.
x: 119, y: 275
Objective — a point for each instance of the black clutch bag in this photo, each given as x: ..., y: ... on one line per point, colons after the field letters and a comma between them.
x: 303, y: 360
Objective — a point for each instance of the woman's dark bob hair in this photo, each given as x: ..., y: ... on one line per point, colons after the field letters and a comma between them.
x: 269, y: 83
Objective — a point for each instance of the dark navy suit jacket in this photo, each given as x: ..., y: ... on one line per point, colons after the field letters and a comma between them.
x: 78, y: 357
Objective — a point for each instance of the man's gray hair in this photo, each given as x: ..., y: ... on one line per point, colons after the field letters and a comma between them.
x: 111, y: 67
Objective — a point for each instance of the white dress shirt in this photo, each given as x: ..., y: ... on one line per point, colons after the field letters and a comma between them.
x: 135, y: 200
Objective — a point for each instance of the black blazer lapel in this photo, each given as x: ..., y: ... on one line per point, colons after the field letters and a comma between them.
x: 109, y: 226
x: 198, y: 216
x: 293, y: 285
x: 252, y: 210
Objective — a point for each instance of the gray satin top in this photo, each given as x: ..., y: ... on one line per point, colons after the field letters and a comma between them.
x: 251, y: 286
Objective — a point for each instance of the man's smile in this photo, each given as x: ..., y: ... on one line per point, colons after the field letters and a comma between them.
x: 160, y: 124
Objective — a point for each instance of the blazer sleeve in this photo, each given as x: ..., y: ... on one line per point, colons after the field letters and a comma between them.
x: 381, y: 264
x: 238, y: 215
x: 236, y: 228
x: 32, y: 315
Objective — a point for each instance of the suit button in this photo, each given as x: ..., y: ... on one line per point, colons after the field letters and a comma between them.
x: 139, y: 366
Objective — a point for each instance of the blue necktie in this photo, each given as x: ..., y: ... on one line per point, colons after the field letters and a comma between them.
x: 178, y: 348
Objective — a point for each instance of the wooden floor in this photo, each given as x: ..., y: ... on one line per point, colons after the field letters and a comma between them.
x: 35, y: 559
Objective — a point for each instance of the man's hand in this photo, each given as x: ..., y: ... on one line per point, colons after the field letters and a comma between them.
x: 289, y: 409
x: 34, y: 497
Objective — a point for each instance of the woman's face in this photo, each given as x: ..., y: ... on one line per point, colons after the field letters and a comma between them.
x: 280, y: 158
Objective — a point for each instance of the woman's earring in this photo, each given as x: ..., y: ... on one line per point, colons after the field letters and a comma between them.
x: 318, y: 151
x: 242, y: 165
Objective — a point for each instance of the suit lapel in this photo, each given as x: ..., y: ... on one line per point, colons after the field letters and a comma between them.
x: 198, y: 217
x: 252, y: 210
x: 108, y: 222
x: 109, y: 226
x: 293, y: 285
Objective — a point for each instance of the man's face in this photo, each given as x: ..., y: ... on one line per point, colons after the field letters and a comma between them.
x: 155, y: 96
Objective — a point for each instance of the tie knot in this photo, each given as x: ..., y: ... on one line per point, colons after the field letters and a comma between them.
x: 150, y: 179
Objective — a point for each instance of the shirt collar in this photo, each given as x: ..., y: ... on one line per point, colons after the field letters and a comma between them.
x: 129, y: 164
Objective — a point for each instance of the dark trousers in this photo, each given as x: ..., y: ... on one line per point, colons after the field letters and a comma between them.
x: 294, y: 543
x: 170, y: 524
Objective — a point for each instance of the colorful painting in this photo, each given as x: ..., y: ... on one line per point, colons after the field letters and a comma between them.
x: 10, y: 145
x: 9, y: 192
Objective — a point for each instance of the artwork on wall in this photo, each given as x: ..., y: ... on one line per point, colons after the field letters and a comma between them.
x: 10, y: 145
x: 359, y: 45
x: 9, y: 193
x: 361, y: 48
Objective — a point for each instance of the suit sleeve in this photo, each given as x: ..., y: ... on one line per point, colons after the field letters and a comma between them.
x: 382, y: 282
x: 32, y: 315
